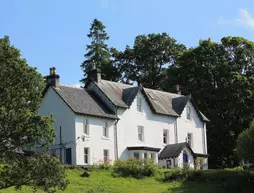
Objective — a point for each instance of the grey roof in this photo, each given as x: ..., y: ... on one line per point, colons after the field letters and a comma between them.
x: 163, y: 103
x: 81, y: 101
x: 173, y: 150
x: 114, y: 91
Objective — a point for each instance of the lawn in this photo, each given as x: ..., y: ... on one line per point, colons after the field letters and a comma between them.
x: 103, y: 181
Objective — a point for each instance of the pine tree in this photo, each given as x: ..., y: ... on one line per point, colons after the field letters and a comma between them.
x: 98, y: 54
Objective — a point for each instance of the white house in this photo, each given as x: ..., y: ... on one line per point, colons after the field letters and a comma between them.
x: 109, y: 120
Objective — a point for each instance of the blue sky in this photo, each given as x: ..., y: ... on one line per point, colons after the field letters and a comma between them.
x: 53, y: 32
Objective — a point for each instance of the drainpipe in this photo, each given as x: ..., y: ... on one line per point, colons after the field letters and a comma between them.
x: 116, y: 139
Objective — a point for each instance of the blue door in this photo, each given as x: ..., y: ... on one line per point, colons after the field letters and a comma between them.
x: 68, y: 156
x: 185, y: 157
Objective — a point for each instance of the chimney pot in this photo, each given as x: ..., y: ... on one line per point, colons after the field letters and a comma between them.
x: 52, y: 79
x: 178, y: 91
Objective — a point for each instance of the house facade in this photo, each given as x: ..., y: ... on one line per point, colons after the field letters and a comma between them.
x: 108, y: 121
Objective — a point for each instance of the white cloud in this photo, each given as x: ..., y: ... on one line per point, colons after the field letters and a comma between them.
x: 244, y: 19
x: 76, y: 85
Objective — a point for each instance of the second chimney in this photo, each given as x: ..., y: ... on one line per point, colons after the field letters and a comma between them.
x: 53, y: 79
x: 178, y: 91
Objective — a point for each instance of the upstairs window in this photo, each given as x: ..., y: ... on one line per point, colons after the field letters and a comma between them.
x: 86, y: 127
x: 190, y: 139
x: 165, y: 136
x: 105, y: 129
x: 188, y: 112
x: 139, y: 104
x: 140, y: 133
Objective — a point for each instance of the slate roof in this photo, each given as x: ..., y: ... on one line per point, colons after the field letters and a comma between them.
x: 81, y: 101
x: 174, y: 150
x: 163, y: 103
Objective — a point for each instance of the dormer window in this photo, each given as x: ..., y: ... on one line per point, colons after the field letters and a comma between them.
x: 188, y: 113
x: 139, y: 104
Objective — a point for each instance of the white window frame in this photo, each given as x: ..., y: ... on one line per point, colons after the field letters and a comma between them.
x: 139, y: 104
x: 105, y: 157
x: 190, y: 139
x: 86, y: 155
x: 141, y: 133
x: 165, y: 136
x: 188, y: 112
x: 138, y: 153
x: 86, y: 127
x: 105, y: 131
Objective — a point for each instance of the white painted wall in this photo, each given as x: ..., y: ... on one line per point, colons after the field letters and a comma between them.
x: 194, y: 126
x: 153, y: 127
x: 95, y: 140
x: 64, y: 117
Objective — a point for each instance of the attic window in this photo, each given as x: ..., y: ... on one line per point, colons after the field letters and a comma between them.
x: 188, y: 112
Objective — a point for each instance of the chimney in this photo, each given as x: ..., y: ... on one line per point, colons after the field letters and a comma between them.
x: 178, y: 91
x: 53, y: 79
x: 94, y: 74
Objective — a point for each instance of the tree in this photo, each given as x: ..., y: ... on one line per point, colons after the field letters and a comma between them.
x: 245, y: 144
x: 151, y: 54
x: 220, y: 76
x: 22, y: 128
x: 98, y: 54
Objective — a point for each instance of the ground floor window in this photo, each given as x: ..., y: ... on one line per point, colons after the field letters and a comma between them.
x: 106, y: 155
x: 136, y: 155
x: 145, y: 156
x: 86, y: 155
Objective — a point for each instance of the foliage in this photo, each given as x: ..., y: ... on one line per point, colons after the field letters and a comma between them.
x: 98, y: 55
x: 146, y: 62
x: 220, y: 77
x: 21, y: 127
x: 238, y: 169
x: 134, y: 167
x: 245, y: 144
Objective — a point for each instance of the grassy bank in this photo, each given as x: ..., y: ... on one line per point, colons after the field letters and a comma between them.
x: 103, y: 181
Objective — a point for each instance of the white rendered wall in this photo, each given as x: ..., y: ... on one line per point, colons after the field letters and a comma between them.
x: 95, y: 140
x: 194, y: 126
x: 64, y: 117
x: 153, y: 127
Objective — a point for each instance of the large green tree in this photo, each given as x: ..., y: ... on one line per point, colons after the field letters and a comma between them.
x: 221, y: 78
x: 98, y: 54
x: 146, y: 62
x: 245, y: 145
x: 22, y: 128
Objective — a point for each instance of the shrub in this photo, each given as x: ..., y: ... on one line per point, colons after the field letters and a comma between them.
x: 237, y: 169
x: 134, y: 167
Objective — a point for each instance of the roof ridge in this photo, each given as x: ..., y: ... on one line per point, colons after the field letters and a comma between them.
x: 71, y: 87
x: 164, y: 92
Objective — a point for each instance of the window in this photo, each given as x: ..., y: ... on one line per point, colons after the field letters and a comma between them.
x: 86, y: 127
x: 86, y: 155
x: 152, y: 156
x: 139, y: 109
x: 165, y: 136
x: 105, y: 155
x: 136, y: 155
x: 105, y: 129
x: 175, y: 131
x: 190, y: 139
x: 188, y: 113
x: 140, y: 133
x: 145, y: 156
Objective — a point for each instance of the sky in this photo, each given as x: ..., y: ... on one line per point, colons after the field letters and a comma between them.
x: 53, y: 32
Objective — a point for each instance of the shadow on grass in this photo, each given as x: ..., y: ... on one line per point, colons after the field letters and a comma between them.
x: 216, y: 181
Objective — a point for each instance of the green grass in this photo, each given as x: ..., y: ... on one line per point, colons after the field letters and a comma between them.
x: 104, y: 182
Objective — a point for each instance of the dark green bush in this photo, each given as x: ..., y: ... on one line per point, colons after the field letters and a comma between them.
x: 237, y: 169
x: 134, y: 167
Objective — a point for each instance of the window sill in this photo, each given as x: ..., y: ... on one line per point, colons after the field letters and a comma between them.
x: 104, y: 138
x: 140, y: 113
x: 87, y: 136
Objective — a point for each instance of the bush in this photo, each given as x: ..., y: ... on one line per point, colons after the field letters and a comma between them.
x: 176, y: 174
x: 237, y: 169
x: 134, y: 167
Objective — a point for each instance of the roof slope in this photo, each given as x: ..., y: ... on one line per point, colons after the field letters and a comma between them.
x: 81, y: 101
x: 173, y: 150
